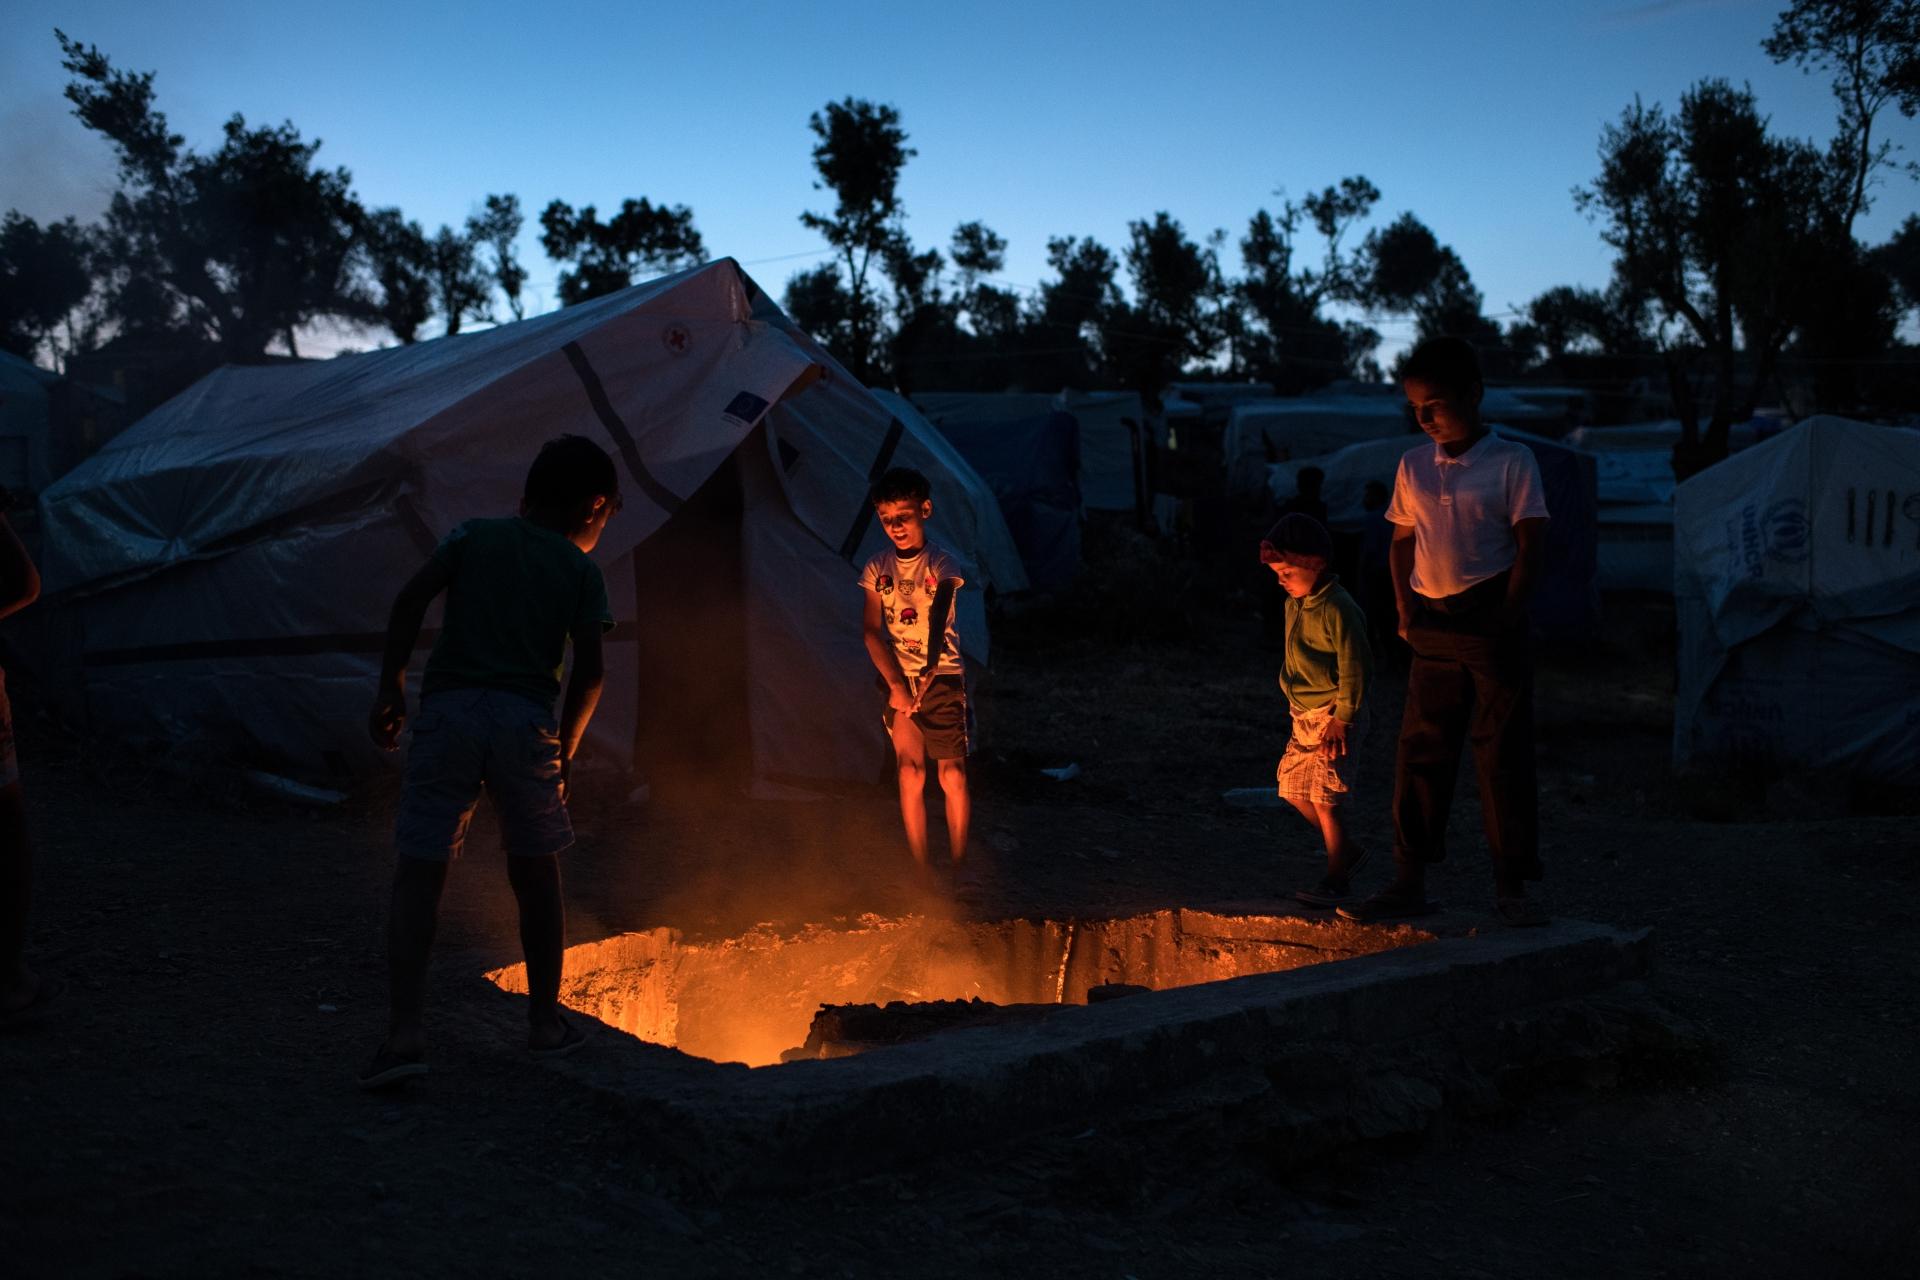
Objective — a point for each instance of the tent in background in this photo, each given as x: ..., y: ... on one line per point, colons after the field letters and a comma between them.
x: 1116, y: 438
x: 1028, y: 452
x: 220, y: 574
x: 1260, y: 432
x: 1797, y: 592
x: 26, y: 397
x: 1568, y: 600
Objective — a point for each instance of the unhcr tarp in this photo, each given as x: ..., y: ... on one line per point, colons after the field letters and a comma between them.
x: 1031, y: 461
x: 1568, y: 599
x: 222, y: 571
x: 1797, y: 591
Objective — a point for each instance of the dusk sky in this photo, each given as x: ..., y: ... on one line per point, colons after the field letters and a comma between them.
x: 1038, y: 118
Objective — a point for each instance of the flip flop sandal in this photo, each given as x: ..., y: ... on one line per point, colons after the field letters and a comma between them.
x: 571, y: 1039
x: 388, y: 1069
x: 34, y: 1010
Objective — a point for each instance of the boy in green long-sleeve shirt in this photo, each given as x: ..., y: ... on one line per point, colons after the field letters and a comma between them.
x: 1324, y: 677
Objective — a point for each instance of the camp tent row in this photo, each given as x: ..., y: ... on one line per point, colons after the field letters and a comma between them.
x: 221, y: 572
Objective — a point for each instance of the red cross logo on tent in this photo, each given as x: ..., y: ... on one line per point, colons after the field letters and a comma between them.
x: 676, y: 338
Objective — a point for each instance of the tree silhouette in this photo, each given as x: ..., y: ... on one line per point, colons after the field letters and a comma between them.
x: 460, y: 285
x: 241, y: 246
x: 45, y: 278
x: 1408, y: 269
x: 403, y: 266
x: 1290, y: 341
x: 643, y: 238
x: 1872, y: 49
x: 859, y: 152
x: 1720, y: 224
x: 497, y: 227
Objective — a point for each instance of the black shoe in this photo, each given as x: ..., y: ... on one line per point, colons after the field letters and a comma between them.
x: 1393, y: 903
x: 1330, y: 892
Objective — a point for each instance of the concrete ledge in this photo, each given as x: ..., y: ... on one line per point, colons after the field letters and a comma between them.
x: 1341, y: 1050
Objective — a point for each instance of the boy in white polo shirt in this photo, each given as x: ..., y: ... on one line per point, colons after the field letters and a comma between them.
x: 1469, y: 543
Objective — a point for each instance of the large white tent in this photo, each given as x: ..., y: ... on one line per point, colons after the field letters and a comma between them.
x: 1797, y: 591
x: 222, y: 571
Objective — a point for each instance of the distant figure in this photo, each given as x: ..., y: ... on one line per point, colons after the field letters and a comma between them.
x: 1306, y: 499
x: 1469, y: 543
x: 1324, y: 677
x: 518, y: 590
x: 24, y: 994
x: 1376, y: 573
x: 915, y: 646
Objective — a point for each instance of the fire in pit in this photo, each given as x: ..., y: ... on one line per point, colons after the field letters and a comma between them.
x: 753, y: 998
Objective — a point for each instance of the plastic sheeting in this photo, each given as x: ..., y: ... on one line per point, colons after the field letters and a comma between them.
x: 1797, y: 589
x: 221, y: 573
x: 1260, y: 432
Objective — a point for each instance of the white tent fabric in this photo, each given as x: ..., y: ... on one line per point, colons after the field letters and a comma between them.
x: 1260, y: 432
x: 1111, y: 450
x: 225, y: 566
x: 1797, y: 590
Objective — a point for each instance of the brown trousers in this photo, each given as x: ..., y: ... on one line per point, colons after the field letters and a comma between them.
x: 1471, y: 682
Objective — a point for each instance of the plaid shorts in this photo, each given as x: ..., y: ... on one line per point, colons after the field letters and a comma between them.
x: 1306, y: 772
x: 466, y: 740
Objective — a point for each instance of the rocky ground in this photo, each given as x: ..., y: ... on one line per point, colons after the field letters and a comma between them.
x: 189, y: 1107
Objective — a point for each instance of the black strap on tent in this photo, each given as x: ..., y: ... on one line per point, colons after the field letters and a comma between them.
x: 663, y: 497
x: 881, y: 461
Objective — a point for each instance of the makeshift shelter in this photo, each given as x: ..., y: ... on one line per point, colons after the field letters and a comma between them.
x: 1568, y: 599
x: 221, y: 573
x: 1260, y: 432
x: 1797, y: 593
x: 1028, y: 452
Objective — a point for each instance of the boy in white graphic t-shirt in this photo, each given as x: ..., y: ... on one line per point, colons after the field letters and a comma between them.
x: 1469, y: 545
x: 911, y: 636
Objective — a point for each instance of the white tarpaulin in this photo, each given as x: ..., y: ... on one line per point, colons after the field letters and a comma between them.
x: 1797, y: 587
x: 223, y: 570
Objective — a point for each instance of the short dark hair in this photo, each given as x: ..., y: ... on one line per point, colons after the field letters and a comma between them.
x: 1448, y: 362
x: 568, y: 470
x: 1297, y: 534
x: 902, y: 484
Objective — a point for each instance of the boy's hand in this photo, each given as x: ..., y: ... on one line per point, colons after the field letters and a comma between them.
x: 566, y: 778
x: 1406, y: 625
x: 901, y: 700
x: 1333, y: 743
x: 388, y: 717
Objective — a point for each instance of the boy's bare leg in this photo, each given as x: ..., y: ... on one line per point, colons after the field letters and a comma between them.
x: 1342, y: 853
x: 18, y: 984
x: 953, y: 784
x: 910, y: 756
x: 543, y: 934
x: 417, y: 883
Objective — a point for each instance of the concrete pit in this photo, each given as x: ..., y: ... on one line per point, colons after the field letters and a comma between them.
x: 751, y: 998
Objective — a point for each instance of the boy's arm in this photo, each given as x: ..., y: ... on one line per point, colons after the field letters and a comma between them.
x: 937, y: 614
x: 1400, y: 568
x: 873, y: 630
x: 1529, y: 561
x: 583, y: 694
x: 1355, y: 657
x: 19, y: 580
x: 389, y: 713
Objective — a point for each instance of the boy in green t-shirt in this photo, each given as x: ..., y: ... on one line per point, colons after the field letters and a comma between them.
x: 1324, y: 677
x: 518, y: 590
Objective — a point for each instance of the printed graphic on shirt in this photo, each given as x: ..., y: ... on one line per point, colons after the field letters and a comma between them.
x: 906, y: 586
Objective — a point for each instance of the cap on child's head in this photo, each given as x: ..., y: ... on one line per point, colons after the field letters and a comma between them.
x: 902, y: 484
x: 568, y: 470
x: 1298, y: 537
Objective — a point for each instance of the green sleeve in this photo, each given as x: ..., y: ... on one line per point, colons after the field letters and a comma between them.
x: 1356, y: 663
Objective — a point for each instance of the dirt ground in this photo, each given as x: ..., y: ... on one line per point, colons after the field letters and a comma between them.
x: 189, y: 1109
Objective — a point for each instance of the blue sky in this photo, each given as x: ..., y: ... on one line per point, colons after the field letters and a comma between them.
x: 1038, y: 118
